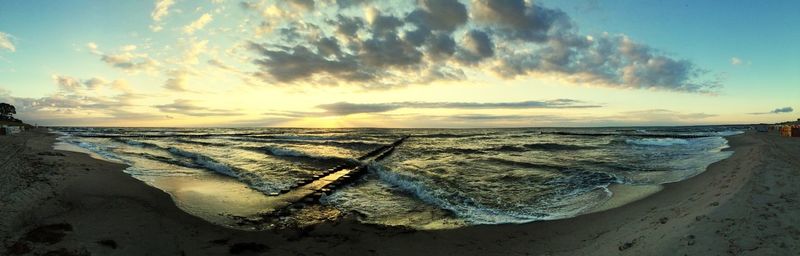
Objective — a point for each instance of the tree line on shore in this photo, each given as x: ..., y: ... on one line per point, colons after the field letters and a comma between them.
x: 7, y: 112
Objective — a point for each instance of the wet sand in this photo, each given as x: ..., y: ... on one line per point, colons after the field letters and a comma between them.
x: 71, y: 203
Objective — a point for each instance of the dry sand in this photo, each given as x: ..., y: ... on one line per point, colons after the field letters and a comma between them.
x: 72, y: 204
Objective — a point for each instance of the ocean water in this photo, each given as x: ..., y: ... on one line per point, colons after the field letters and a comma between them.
x: 467, y: 176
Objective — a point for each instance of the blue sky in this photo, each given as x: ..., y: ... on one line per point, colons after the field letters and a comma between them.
x: 264, y: 63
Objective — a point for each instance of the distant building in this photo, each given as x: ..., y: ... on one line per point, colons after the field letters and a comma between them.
x: 10, y: 130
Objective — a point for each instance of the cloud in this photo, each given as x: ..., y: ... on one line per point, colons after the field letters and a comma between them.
x: 776, y: 111
x: 198, y: 24
x: 190, y: 108
x: 5, y: 42
x: 129, y: 62
x: 736, y: 61
x: 385, y: 47
x: 95, y: 83
x: 476, y: 45
x: 221, y: 65
x: 67, y: 83
x: 347, y: 108
x: 177, y: 80
x: 126, y: 60
x: 160, y: 11
x: 76, y: 104
x: 661, y: 115
x: 305, y: 5
x: 446, y: 15
x: 93, y: 48
x: 193, y: 51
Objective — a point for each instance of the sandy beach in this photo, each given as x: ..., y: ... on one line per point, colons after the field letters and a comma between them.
x: 69, y: 203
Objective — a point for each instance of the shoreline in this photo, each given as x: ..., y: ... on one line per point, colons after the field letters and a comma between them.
x: 715, y: 212
x: 227, y: 201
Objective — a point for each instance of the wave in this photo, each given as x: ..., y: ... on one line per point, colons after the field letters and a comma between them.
x: 136, y: 143
x: 202, y: 143
x: 465, y: 151
x: 350, y: 144
x: 198, y: 160
x: 568, y: 200
x: 583, y: 179
x: 461, y: 206
x: 661, y: 142
x: 509, y: 148
x: 540, y: 147
x: 630, y: 134
x: 446, y: 135
x: 297, y: 137
x: 205, y: 161
x: 97, y: 149
x: 290, y: 153
x: 524, y: 164
x: 727, y: 133
x: 555, y: 146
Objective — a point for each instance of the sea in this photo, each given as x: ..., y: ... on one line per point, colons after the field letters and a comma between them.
x: 463, y: 176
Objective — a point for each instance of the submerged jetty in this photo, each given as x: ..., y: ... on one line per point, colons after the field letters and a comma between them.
x: 310, y: 190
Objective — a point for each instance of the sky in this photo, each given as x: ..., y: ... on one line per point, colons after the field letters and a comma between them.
x: 425, y: 63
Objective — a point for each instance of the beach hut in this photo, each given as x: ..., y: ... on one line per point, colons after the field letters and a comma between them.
x: 786, y: 130
x: 9, y: 130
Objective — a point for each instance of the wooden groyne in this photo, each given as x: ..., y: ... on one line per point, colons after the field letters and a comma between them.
x: 310, y: 190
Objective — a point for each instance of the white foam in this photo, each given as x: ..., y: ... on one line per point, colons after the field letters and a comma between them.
x: 285, y: 152
x: 727, y: 133
x: 472, y: 212
x: 662, y: 142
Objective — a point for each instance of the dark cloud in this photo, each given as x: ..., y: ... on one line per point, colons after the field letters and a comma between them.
x: 383, y: 25
x: 436, y: 40
x: 328, y: 47
x: 517, y: 20
x: 190, y: 108
x: 444, y: 15
x: 776, y: 111
x: 347, y: 26
x: 287, y: 65
x: 476, y: 46
x: 389, y: 51
x: 442, y: 46
x: 346, y: 108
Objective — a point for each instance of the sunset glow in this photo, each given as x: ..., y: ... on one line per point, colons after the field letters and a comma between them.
x: 397, y: 63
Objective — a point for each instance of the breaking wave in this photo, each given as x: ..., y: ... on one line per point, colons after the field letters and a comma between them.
x: 661, y: 142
